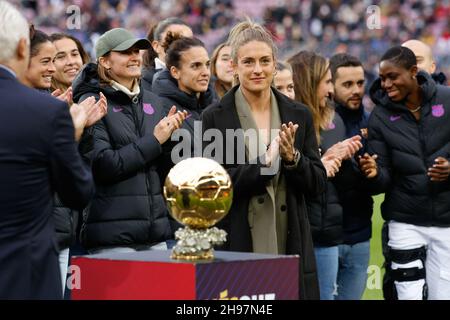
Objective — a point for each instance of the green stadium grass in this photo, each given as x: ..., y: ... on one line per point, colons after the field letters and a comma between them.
x: 373, y: 290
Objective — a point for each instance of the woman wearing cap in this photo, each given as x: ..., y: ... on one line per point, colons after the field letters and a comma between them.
x: 128, y: 211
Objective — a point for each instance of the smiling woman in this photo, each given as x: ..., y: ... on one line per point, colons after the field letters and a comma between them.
x: 409, y: 132
x: 41, y: 67
x: 268, y: 214
x: 186, y: 81
x: 128, y: 211
x: 69, y: 59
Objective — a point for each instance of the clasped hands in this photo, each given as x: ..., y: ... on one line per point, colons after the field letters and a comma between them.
x: 167, y: 125
x: 85, y: 113
x: 333, y: 157
x: 282, y: 145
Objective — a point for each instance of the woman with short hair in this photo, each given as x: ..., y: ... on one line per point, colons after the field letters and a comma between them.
x: 409, y: 133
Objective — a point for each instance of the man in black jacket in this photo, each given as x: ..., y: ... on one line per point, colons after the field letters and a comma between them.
x: 355, y: 199
x: 409, y: 132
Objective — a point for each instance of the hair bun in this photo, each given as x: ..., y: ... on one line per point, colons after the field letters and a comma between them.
x: 170, y: 38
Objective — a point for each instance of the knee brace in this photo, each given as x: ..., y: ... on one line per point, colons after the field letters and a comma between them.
x: 403, y: 274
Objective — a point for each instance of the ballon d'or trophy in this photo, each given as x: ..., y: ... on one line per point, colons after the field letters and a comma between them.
x: 198, y: 193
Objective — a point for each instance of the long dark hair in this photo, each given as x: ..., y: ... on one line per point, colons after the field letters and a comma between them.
x: 59, y: 36
x: 174, y: 44
x: 154, y: 33
x: 37, y: 37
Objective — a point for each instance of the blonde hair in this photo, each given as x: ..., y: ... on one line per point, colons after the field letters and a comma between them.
x: 245, y: 32
x: 308, y: 69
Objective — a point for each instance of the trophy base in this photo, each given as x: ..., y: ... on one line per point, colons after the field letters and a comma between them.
x: 206, y: 255
x: 197, y: 244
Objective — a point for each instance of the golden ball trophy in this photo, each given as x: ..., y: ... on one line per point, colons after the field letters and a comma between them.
x: 198, y: 193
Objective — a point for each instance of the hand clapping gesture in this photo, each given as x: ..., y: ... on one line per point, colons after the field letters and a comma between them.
x: 97, y: 111
x: 166, y: 126
x: 368, y: 165
x: 331, y: 163
x: 273, y: 152
x: 286, y: 141
x: 64, y: 96
x: 346, y: 149
x: 79, y: 115
x: 86, y: 113
x: 440, y: 169
x: 333, y: 157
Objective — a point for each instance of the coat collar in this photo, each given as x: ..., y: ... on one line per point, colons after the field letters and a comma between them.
x: 287, y: 107
x: 7, y: 73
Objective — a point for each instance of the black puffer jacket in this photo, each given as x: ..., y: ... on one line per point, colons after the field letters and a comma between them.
x: 66, y: 219
x: 325, y: 210
x: 355, y: 197
x: 166, y: 87
x: 128, y: 208
x: 406, y: 148
x: 440, y: 78
x: 66, y: 224
x: 147, y: 78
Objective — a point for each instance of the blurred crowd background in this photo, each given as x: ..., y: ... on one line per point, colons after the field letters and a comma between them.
x: 323, y: 26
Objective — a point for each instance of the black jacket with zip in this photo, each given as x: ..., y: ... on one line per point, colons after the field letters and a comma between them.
x: 128, y: 208
x: 406, y: 148
x: 325, y: 210
x: 355, y: 197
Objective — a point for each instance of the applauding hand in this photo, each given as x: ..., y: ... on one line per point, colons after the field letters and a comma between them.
x: 440, y: 170
x: 166, y: 126
x: 286, y: 141
x: 368, y: 165
x: 346, y: 149
x: 64, y: 96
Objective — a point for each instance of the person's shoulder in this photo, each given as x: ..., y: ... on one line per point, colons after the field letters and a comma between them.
x: 227, y: 101
x: 50, y: 103
x: 35, y: 99
x: 444, y: 91
x: 213, y: 107
x: 299, y: 108
x: 380, y: 114
x: 284, y: 101
x: 338, y: 120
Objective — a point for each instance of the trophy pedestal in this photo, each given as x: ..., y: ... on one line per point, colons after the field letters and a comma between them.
x: 152, y: 275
